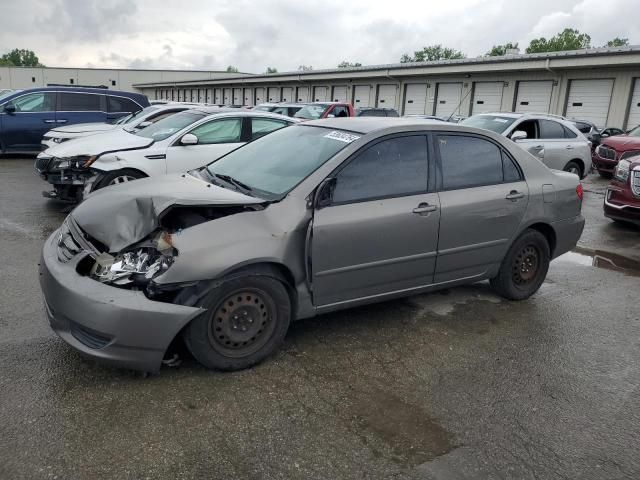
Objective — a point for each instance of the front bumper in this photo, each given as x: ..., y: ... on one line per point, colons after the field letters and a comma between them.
x: 568, y: 232
x: 621, y: 204
x: 604, y: 165
x: 117, y: 326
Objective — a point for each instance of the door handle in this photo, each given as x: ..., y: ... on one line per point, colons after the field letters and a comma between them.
x: 537, y: 147
x: 49, y: 121
x: 61, y: 121
x: 514, y: 195
x: 424, y: 208
x: 569, y: 147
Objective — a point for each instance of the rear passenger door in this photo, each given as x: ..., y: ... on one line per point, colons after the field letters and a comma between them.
x: 483, y: 198
x: 379, y: 233
x: 215, y: 138
x: 76, y: 107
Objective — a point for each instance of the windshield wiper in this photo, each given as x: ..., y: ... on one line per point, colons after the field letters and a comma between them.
x: 233, y: 181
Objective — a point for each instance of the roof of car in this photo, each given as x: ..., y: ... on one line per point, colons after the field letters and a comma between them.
x: 234, y: 112
x: 366, y: 125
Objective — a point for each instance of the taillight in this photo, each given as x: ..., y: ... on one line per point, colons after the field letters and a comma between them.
x: 580, y: 191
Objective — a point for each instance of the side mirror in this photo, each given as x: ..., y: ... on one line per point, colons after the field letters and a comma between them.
x: 518, y: 135
x: 144, y: 124
x: 604, y: 135
x: 189, y: 139
x: 324, y: 193
x: 10, y: 108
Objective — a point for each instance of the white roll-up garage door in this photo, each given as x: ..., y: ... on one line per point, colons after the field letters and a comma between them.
x: 448, y: 97
x: 534, y: 96
x: 320, y: 94
x: 590, y: 100
x: 259, y: 95
x: 248, y: 97
x: 227, y: 96
x: 303, y: 94
x: 237, y: 96
x: 274, y: 94
x: 487, y: 97
x: 287, y: 94
x: 217, y: 95
x: 361, y: 96
x: 387, y: 96
x: 339, y: 93
x: 415, y: 99
x: 634, y: 109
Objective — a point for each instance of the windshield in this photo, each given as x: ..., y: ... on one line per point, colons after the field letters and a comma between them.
x: 142, y: 113
x: 494, y: 123
x: 274, y: 164
x: 168, y: 126
x: 311, y: 112
x: 6, y: 94
x: 635, y: 132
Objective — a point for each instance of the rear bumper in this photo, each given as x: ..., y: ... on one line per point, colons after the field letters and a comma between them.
x: 568, y: 232
x: 116, y: 326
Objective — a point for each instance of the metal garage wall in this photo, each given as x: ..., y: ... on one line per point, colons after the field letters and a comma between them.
x: 633, y: 118
x: 415, y: 99
x: 260, y: 95
x: 361, y: 96
x: 448, y: 97
x: 287, y: 94
x: 590, y: 100
x: 534, y: 96
x: 387, y: 96
x: 273, y: 94
x: 320, y: 94
x: 303, y: 94
x: 487, y: 97
x: 339, y: 93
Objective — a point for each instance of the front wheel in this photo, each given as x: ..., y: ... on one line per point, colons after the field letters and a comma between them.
x: 119, y: 176
x: 247, y: 318
x: 524, y: 267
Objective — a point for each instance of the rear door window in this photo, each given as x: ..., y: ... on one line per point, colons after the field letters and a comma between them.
x: 79, y: 102
x: 261, y: 126
x: 469, y: 162
x: 550, y: 130
x: 219, y: 131
x: 121, y: 105
x: 390, y: 168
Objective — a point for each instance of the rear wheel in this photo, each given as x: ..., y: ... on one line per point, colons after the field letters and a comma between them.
x: 573, y: 167
x: 119, y: 176
x: 524, y: 268
x: 247, y: 318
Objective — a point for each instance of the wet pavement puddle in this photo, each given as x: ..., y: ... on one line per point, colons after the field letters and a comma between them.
x: 601, y: 259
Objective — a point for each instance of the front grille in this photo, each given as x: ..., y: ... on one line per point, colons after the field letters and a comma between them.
x: 606, y: 152
x: 43, y: 164
x: 68, y: 247
x: 89, y: 337
x: 635, y: 182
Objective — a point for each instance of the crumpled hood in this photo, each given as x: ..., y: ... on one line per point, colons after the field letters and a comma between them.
x: 120, y: 215
x: 86, y: 127
x: 109, y: 141
x: 622, y: 143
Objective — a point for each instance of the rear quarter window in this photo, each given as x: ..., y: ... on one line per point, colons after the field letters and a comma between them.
x: 121, y: 104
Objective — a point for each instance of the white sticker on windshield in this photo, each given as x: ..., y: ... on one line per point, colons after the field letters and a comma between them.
x: 342, y: 136
x: 500, y: 120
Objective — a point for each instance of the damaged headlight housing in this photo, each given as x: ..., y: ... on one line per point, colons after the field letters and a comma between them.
x: 81, y: 161
x: 136, y: 266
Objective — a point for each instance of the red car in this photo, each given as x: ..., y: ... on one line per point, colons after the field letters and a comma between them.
x: 317, y: 110
x: 622, y: 199
x: 613, y: 149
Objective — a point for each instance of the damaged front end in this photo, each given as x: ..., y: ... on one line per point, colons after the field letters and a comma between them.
x: 71, y: 177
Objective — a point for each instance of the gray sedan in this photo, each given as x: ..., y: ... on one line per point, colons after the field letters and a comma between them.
x: 310, y: 219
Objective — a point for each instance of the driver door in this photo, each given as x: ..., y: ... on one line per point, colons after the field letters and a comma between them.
x: 215, y: 138
x: 34, y: 115
x: 379, y: 232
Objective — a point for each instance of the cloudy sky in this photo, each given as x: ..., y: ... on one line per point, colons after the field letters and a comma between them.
x: 254, y: 34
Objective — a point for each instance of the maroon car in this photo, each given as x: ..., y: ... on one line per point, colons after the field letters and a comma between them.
x: 612, y: 149
x: 622, y: 199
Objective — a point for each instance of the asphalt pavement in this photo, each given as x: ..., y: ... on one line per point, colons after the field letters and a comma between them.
x: 458, y: 384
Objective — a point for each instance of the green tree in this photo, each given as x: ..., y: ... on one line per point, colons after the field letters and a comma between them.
x: 346, y: 64
x: 20, y: 58
x: 232, y: 69
x: 305, y: 68
x: 500, y: 50
x: 618, y: 42
x: 432, y: 53
x: 271, y: 70
x: 568, y: 39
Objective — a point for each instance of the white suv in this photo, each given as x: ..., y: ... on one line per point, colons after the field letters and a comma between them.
x: 554, y: 140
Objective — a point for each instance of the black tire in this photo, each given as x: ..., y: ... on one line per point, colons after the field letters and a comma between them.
x: 247, y: 318
x: 112, y: 178
x: 524, y: 267
x: 574, y: 167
